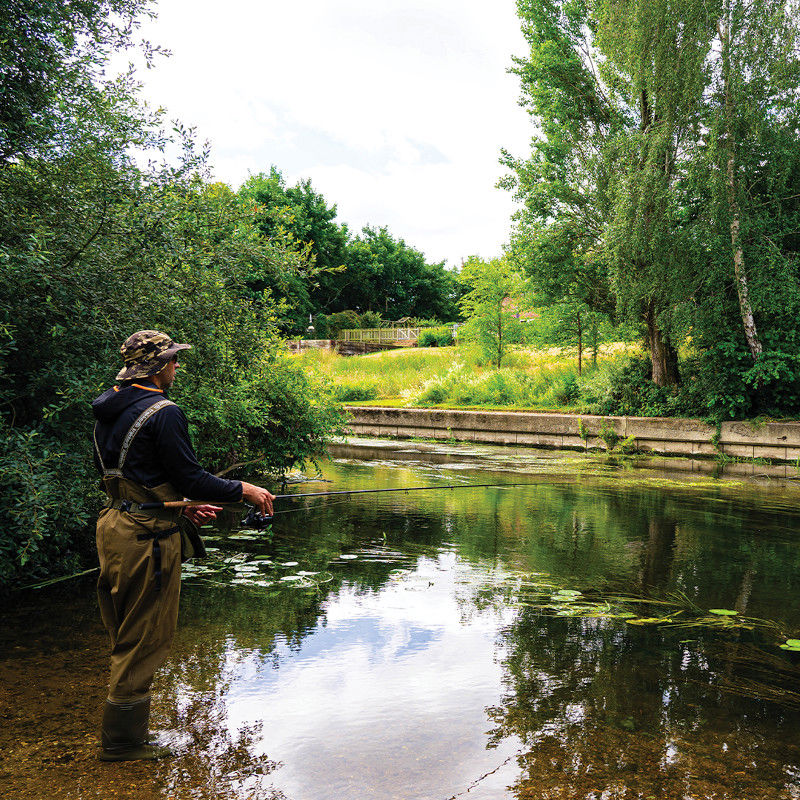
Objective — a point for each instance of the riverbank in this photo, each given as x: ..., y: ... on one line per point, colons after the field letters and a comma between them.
x: 768, y: 442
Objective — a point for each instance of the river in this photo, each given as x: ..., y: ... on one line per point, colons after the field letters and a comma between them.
x: 606, y: 631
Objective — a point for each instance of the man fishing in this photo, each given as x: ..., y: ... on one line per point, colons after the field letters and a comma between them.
x: 143, y: 452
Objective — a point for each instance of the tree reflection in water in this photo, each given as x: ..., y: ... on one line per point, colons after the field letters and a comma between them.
x: 602, y: 709
x: 609, y: 711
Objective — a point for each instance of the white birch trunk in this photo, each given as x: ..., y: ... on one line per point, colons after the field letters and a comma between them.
x: 745, y: 309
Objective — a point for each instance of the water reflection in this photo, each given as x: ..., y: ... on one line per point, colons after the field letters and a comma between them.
x: 633, y: 714
x: 381, y: 697
x: 412, y: 671
x: 409, y: 675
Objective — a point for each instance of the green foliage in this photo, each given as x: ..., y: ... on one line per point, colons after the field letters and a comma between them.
x: 350, y: 392
x: 340, y: 321
x: 371, y: 272
x: 491, y: 306
x: 550, y: 386
x: 389, y: 373
x: 436, y: 337
x: 44, y: 504
x: 664, y: 180
x: 94, y: 246
x: 51, y: 62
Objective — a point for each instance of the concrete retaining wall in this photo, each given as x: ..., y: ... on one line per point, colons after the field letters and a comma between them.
x: 340, y: 346
x: 779, y: 441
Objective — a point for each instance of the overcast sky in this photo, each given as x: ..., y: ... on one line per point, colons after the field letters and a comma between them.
x: 396, y: 109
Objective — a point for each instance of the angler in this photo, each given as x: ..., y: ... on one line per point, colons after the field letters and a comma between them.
x: 145, y: 458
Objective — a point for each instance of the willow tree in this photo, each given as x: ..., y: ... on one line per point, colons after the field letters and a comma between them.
x: 614, y: 87
x: 656, y: 52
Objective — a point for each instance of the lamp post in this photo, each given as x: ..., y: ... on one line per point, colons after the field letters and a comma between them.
x: 310, y: 330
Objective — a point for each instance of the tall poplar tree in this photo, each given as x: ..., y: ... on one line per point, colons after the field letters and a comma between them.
x: 613, y: 88
x: 655, y: 53
x: 666, y: 148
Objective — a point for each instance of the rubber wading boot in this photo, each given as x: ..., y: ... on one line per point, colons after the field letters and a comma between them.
x: 124, y: 735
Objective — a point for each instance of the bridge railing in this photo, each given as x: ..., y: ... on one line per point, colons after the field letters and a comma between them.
x: 404, y: 335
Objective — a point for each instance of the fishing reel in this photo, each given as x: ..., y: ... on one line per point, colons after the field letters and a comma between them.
x: 257, y: 520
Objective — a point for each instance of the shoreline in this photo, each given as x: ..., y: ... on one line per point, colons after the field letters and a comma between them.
x: 766, y: 443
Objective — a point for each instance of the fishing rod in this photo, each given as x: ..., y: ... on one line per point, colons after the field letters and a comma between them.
x: 407, y: 489
x: 260, y: 521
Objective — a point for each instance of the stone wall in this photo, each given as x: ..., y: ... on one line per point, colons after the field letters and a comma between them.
x: 779, y: 441
x: 341, y: 347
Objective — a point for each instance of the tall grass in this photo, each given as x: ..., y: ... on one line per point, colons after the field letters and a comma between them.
x: 458, y: 377
x: 379, y: 375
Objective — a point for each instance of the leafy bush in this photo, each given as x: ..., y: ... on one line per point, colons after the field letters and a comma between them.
x: 624, y: 387
x: 44, y: 510
x: 340, y: 321
x: 462, y: 386
x: 349, y: 392
x: 93, y: 248
x: 436, y: 337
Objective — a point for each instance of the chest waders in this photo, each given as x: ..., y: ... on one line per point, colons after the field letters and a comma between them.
x: 126, y: 496
x: 138, y: 591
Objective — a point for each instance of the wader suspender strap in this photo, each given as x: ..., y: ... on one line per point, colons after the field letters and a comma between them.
x: 138, y: 424
x: 156, y: 537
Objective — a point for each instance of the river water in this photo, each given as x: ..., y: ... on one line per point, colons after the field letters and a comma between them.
x: 603, y: 631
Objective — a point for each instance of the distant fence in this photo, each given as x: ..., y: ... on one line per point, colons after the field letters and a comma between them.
x: 387, y: 335
x: 344, y: 348
x: 296, y: 345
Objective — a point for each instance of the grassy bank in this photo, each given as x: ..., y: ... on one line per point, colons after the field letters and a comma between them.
x: 457, y: 377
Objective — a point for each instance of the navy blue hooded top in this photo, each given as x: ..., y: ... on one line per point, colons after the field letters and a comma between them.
x: 162, y: 451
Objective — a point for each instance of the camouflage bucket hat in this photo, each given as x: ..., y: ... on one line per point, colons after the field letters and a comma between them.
x: 146, y: 353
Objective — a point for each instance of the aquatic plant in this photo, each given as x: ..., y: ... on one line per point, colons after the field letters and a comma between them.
x: 546, y: 595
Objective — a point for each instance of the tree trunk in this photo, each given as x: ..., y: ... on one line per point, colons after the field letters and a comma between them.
x: 659, y: 552
x: 662, y: 353
x: 594, y: 343
x: 745, y: 309
x: 499, y: 337
x: 580, y: 341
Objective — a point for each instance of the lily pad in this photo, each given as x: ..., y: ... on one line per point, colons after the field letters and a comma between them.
x: 723, y: 612
x: 289, y: 564
x: 347, y: 556
x: 792, y: 644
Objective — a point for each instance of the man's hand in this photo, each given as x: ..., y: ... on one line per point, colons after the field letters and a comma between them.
x: 200, y: 514
x: 260, y: 498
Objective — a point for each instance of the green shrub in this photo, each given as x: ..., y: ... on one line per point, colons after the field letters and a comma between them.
x: 340, y: 321
x: 348, y: 392
x: 436, y: 337
x: 49, y: 496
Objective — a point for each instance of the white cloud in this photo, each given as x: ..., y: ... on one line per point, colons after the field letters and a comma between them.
x: 386, y: 699
x: 396, y: 111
